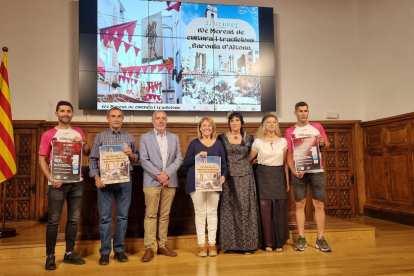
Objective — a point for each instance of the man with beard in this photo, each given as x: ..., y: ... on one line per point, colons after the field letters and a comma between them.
x: 160, y: 159
x: 59, y: 192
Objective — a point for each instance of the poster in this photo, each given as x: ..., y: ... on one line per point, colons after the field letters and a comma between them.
x: 306, y: 154
x: 208, y: 173
x: 66, y: 161
x: 152, y: 39
x: 113, y: 164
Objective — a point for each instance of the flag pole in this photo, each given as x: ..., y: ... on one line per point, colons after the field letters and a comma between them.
x: 4, y: 206
x: 5, y: 232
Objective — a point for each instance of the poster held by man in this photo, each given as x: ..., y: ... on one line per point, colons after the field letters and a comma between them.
x: 306, y: 154
x: 66, y: 160
x: 114, y: 164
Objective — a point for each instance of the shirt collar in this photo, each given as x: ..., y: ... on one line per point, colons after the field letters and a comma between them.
x: 110, y: 130
x: 157, y: 133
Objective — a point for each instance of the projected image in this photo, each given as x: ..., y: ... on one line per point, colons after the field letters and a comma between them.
x: 177, y: 56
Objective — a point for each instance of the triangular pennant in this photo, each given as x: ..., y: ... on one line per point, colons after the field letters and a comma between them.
x: 120, y: 33
x: 176, y: 6
x: 117, y: 43
x: 105, y: 39
x: 136, y: 50
x: 170, y: 67
x: 127, y: 46
x: 131, y: 29
x: 144, y: 68
x: 153, y: 67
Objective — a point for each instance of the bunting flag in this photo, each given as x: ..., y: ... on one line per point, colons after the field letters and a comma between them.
x: 7, y: 151
x: 119, y: 30
x: 117, y: 43
x: 176, y: 7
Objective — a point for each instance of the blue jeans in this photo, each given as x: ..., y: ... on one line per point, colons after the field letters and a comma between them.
x: 72, y: 193
x: 121, y: 193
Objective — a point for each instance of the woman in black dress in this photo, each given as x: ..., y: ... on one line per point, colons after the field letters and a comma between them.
x: 239, y: 212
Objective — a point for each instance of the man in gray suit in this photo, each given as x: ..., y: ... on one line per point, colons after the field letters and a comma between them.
x: 160, y: 156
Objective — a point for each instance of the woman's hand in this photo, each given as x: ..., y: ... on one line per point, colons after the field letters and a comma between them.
x: 223, y: 178
x: 202, y: 153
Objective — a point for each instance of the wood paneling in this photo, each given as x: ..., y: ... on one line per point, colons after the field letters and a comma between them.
x: 389, y: 168
x: 21, y: 189
x: 339, y: 158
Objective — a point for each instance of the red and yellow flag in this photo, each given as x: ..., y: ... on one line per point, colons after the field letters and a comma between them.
x: 7, y: 151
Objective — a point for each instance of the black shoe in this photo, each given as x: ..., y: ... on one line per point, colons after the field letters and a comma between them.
x: 50, y: 262
x: 104, y: 260
x: 73, y: 259
x: 121, y: 257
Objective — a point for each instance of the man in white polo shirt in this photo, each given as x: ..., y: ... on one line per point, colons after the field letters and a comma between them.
x: 315, y: 178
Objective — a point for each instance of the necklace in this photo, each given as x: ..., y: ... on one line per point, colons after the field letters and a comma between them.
x: 235, y: 136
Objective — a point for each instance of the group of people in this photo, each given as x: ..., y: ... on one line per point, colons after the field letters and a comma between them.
x: 245, y: 215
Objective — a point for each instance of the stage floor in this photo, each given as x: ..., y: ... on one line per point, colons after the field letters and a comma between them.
x: 30, y: 240
x: 361, y: 246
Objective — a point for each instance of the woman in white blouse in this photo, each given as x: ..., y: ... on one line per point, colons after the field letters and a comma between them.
x: 272, y: 181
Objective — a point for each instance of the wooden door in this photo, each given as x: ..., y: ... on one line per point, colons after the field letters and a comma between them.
x: 21, y: 188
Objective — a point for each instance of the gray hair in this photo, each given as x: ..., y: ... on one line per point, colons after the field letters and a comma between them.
x: 114, y: 108
x: 158, y: 111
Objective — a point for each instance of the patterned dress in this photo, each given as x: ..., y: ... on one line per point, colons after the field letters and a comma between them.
x: 239, y: 215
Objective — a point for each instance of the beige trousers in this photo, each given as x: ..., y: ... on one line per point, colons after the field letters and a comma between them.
x: 158, y: 201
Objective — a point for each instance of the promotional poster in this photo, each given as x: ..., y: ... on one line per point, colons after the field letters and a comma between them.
x: 113, y: 164
x: 208, y: 173
x: 66, y: 161
x: 306, y: 154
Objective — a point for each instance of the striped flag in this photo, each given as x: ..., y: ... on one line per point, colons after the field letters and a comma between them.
x: 7, y: 151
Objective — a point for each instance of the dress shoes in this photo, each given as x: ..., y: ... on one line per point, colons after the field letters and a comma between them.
x: 148, y: 255
x: 121, y: 257
x: 104, y: 260
x: 166, y: 251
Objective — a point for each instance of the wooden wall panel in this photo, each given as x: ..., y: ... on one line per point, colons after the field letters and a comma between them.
x: 27, y: 191
x: 389, y: 168
x: 401, y: 188
x: 376, y: 169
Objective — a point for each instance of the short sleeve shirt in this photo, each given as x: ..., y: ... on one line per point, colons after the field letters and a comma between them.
x: 58, y: 135
x: 311, y: 129
x: 270, y: 154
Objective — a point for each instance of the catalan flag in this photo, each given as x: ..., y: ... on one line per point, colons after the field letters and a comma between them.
x: 7, y: 151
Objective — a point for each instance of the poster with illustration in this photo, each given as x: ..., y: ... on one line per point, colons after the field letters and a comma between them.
x: 208, y: 173
x: 113, y: 164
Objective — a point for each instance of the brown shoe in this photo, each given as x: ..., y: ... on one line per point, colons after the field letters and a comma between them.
x: 212, y: 251
x: 202, y: 251
x: 148, y: 255
x: 166, y: 251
